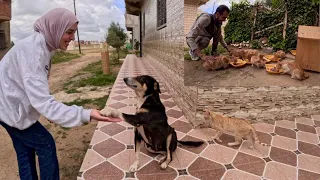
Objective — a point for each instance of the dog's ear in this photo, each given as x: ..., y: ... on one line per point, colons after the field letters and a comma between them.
x: 156, y: 87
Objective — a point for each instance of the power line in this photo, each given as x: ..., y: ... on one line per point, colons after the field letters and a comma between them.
x: 75, y: 13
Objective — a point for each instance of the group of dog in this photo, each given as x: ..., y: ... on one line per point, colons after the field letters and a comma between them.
x: 256, y: 59
x: 151, y: 126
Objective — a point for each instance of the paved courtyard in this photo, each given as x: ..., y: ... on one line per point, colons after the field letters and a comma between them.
x: 294, y: 152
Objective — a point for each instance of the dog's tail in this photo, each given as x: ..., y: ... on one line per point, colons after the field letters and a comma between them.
x: 191, y: 143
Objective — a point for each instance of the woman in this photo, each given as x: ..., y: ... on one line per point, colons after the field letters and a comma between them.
x: 24, y: 95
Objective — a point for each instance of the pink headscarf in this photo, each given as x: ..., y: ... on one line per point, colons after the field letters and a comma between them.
x: 53, y: 25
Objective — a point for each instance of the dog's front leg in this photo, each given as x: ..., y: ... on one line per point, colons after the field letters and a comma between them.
x: 164, y: 165
x: 137, y: 143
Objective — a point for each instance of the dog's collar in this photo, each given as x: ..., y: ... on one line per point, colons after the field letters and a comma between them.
x: 143, y: 100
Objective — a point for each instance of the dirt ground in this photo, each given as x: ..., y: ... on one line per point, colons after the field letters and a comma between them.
x: 71, y: 143
x: 196, y: 75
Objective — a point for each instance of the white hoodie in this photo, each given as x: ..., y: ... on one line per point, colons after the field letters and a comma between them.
x: 24, y: 88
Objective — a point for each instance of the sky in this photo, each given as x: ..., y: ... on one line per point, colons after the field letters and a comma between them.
x: 94, y: 16
x: 211, y: 6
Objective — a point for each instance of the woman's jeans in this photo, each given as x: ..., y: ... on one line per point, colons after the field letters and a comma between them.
x: 29, y: 142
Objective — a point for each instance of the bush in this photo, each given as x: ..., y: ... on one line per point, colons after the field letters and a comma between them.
x: 238, y: 28
x: 256, y: 44
x: 300, y: 12
x: 136, y: 44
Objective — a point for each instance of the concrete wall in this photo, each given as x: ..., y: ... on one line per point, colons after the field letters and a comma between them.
x: 164, y: 50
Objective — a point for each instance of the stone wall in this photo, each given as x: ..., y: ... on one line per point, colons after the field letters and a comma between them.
x: 164, y: 50
x: 264, y: 104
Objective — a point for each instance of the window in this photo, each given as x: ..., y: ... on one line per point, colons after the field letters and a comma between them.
x: 161, y: 14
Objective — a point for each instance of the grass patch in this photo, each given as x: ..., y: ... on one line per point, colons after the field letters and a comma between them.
x: 62, y: 56
x: 207, y: 51
x: 187, y: 56
x: 47, y: 126
x: 65, y: 128
x: 98, y: 102
x: 78, y: 102
x: 71, y: 91
x: 97, y: 78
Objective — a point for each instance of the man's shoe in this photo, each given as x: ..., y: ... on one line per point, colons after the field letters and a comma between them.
x: 193, y: 56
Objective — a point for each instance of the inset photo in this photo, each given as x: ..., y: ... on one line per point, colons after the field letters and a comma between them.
x: 253, y: 44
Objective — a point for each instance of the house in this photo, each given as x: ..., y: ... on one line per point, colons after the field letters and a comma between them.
x: 133, y: 27
x: 5, y: 17
x: 191, y: 11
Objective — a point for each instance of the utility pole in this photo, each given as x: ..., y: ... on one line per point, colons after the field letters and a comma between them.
x: 75, y: 13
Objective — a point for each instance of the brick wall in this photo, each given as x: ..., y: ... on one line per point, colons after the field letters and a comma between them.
x: 264, y: 104
x: 5, y: 10
x: 164, y: 50
x: 190, y: 14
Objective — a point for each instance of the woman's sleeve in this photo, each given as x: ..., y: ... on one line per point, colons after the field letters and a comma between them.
x: 38, y: 93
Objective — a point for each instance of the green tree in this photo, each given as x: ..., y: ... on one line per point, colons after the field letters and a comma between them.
x: 116, y: 37
x: 238, y: 28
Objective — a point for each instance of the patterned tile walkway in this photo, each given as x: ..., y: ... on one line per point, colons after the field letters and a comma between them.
x: 294, y: 151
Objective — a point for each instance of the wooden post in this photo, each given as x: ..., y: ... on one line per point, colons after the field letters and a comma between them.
x: 105, y: 62
x: 285, y: 20
x: 254, y: 20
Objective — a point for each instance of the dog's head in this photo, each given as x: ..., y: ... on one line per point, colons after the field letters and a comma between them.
x: 143, y: 85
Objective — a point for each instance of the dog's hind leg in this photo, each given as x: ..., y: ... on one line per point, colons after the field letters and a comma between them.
x: 164, y: 165
x: 163, y: 158
x: 137, y: 143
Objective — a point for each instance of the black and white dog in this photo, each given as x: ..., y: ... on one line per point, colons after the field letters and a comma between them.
x: 150, y: 122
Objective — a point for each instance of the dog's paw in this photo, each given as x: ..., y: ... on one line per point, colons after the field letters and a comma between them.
x: 164, y: 165
x: 108, y: 112
x: 162, y: 159
x: 133, y: 167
